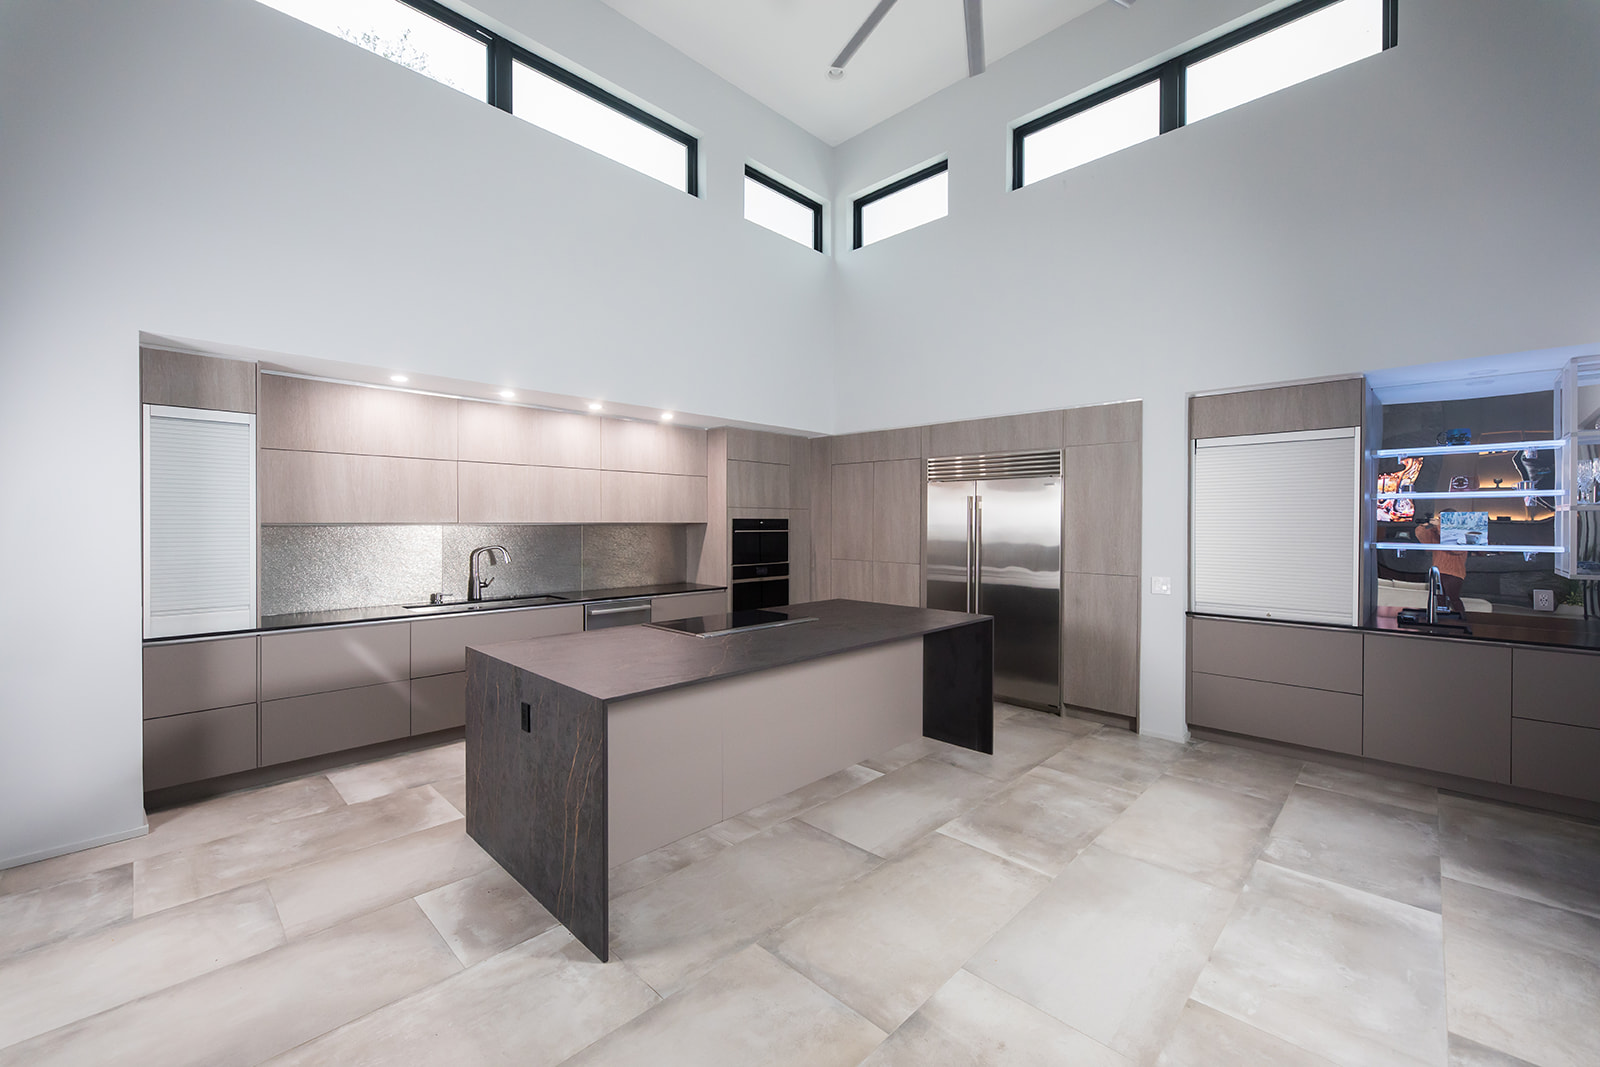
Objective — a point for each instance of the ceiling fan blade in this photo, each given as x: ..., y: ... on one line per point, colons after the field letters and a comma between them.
x: 863, y: 33
x: 975, y: 64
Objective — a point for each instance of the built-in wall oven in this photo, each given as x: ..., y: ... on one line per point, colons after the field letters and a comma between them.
x: 760, y: 563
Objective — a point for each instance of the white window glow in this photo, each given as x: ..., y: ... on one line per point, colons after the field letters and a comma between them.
x: 912, y: 206
x: 403, y: 34
x: 1324, y: 40
x: 783, y: 215
x: 584, y: 120
x: 1122, y: 121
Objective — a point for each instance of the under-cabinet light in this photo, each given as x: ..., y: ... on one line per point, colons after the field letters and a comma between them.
x: 398, y: 378
x: 666, y: 416
x: 508, y: 394
x: 1424, y: 546
x: 1462, y: 450
x: 596, y: 406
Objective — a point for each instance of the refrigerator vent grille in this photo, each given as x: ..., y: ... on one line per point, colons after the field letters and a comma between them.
x: 988, y: 468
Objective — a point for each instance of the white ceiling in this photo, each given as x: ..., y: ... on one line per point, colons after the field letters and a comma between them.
x: 778, y: 51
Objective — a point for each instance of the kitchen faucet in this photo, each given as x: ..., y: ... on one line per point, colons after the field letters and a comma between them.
x: 476, y: 584
x: 1435, y: 594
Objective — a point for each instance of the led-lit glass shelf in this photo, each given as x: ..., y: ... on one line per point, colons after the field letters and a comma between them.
x: 1498, y: 494
x: 1419, y: 546
x: 1467, y: 450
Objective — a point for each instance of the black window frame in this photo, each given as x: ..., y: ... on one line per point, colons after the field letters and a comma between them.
x: 815, y: 206
x: 893, y: 187
x: 1172, y: 74
x: 501, y: 53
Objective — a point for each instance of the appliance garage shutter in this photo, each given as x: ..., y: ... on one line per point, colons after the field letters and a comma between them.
x: 199, y: 521
x: 1275, y: 526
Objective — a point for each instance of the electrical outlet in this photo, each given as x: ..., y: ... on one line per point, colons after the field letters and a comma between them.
x: 1161, y: 586
x: 1544, y: 600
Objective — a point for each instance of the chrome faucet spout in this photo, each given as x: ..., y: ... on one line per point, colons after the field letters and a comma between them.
x: 1435, y: 594
x: 476, y: 583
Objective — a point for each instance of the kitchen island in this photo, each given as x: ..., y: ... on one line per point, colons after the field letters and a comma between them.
x: 586, y: 750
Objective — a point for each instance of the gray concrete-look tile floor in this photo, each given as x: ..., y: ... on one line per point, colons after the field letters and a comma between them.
x: 1083, y: 897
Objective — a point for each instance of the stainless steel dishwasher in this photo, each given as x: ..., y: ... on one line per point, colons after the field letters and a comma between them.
x: 608, y: 613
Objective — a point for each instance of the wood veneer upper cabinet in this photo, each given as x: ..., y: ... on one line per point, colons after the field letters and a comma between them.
x: 504, y: 433
x: 652, y: 448
x: 852, y: 579
x: 853, y: 508
x: 757, y: 446
x: 758, y: 485
x: 821, y: 482
x: 905, y: 443
x: 504, y: 492
x: 331, y: 487
x: 1103, y: 424
x: 1282, y: 409
x: 896, y: 583
x: 630, y: 496
x: 1440, y: 704
x: 897, y: 511
x: 312, y: 416
x: 1102, y: 503
x: 1035, y: 431
x: 188, y: 380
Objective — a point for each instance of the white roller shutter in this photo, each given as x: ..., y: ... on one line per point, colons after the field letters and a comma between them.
x: 1275, y: 526
x: 199, y: 521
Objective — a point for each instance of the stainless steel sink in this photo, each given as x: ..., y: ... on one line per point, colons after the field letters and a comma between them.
x: 484, y: 605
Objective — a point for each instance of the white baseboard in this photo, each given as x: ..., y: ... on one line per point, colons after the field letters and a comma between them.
x: 77, y: 846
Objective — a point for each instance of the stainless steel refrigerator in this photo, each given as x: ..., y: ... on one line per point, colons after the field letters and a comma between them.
x: 994, y: 547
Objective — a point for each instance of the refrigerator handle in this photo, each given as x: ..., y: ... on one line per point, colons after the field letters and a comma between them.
x: 971, y: 579
x: 977, y: 554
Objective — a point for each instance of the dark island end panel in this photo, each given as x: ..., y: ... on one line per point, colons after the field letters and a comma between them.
x: 958, y: 686
x: 536, y: 790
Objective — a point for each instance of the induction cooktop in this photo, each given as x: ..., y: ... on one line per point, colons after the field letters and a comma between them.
x: 732, y: 623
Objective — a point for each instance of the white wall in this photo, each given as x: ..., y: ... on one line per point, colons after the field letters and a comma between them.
x: 1433, y: 202
x: 213, y: 169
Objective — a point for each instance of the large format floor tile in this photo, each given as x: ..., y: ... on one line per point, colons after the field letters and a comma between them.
x: 74, y: 907
x: 1465, y: 1053
x: 884, y: 943
x: 671, y: 929
x: 1364, y: 844
x: 1017, y: 747
x: 1111, y: 948
x: 888, y: 814
x: 61, y: 983
x: 749, y: 1009
x: 1424, y: 798
x: 1117, y: 757
x: 484, y: 915
x: 1523, y: 978
x: 532, y: 1006
x: 1042, y: 820
x: 1208, y: 1038
x: 1232, y: 767
x: 972, y: 1023
x: 175, y: 877
x: 257, y: 1008
x: 185, y: 827
x: 808, y: 796
x: 1356, y: 977
x: 1544, y: 858
x: 1200, y: 830
x: 364, y: 781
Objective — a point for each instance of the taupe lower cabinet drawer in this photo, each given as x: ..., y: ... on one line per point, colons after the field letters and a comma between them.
x: 439, y: 646
x: 1314, y: 657
x: 1555, y: 758
x: 304, y: 726
x: 199, y: 745
x: 1314, y: 718
x: 1559, y: 687
x: 317, y: 661
x: 689, y: 606
x: 1439, y: 704
x: 198, y: 675
x: 438, y: 703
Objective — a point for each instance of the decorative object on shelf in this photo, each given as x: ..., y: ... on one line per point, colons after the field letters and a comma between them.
x: 1396, y: 508
x: 1459, y: 484
x: 1455, y: 437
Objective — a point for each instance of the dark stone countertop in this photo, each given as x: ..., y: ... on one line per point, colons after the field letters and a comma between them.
x: 1549, y: 631
x: 631, y: 661
x: 396, y: 612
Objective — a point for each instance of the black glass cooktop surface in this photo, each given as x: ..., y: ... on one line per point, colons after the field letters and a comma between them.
x: 731, y: 623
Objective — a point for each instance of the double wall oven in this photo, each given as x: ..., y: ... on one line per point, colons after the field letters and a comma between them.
x: 760, y: 563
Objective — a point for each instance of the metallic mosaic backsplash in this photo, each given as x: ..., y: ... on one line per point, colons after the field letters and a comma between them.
x: 325, y: 568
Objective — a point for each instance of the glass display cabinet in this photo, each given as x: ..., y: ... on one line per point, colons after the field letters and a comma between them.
x: 1578, y: 528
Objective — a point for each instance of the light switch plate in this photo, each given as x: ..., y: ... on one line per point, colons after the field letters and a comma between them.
x: 1161, y: 586
x: 1544, y: 600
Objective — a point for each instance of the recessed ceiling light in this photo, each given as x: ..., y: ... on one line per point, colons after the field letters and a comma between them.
x: 398, y: 378
x: 666, y: 416
x: 595, y: 406
x: 508, y: 393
